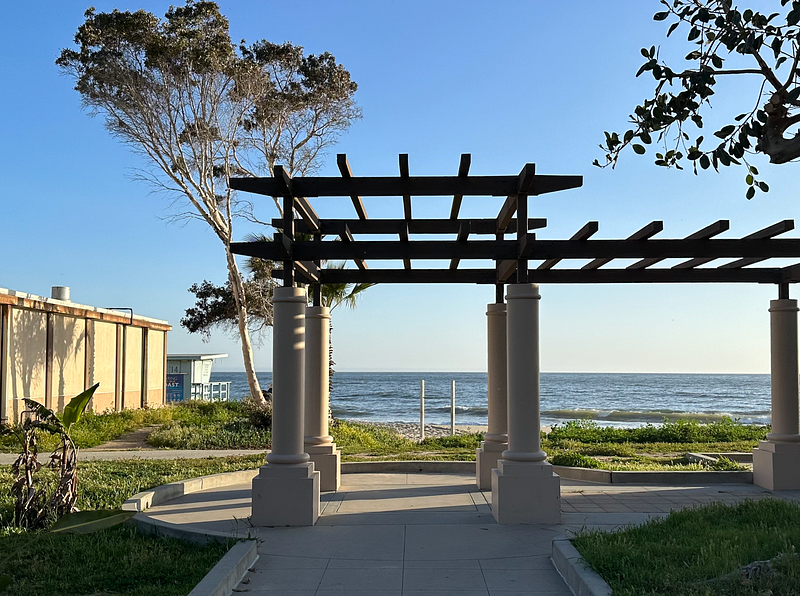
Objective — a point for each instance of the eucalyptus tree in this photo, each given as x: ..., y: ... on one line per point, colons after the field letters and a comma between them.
x: 725, y: 41
x: 200, y: 109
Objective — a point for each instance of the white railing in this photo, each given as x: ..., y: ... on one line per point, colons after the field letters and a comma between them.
x: 219, y: 391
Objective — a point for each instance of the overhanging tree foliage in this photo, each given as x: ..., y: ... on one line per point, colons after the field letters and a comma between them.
x: 762, y: 46
x: 200, y: 109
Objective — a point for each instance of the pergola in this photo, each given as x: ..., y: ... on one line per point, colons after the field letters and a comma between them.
x: 524, y: 488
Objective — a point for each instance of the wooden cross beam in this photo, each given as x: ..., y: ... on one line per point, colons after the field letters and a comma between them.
x: 584, y: 233
x: 344, y: 168
x: 650, y: 230
x: 463, y: 172
x: 705, y: 234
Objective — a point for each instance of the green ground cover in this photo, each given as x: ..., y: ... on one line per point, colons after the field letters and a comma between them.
x: 707, y: 551
x: 117, y: 561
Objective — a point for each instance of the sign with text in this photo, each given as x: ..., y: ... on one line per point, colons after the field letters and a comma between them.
x: 176, y: 383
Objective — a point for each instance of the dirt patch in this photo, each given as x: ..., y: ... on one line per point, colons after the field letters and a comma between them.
x: 134, y: 440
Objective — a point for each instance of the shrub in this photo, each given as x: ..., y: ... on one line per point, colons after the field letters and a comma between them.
x: 574, y: 460
x: 259, y: 413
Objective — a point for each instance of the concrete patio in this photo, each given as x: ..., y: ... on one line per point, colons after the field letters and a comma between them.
x: 425, y: 534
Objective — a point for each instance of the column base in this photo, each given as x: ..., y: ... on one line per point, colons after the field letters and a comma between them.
x: 776, y: 466
x: 486, y: 457
x: 525, y: 493
x: 327, y: 461
x: 286, y: 495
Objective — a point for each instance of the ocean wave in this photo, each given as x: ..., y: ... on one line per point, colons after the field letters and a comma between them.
x: 647, y: 416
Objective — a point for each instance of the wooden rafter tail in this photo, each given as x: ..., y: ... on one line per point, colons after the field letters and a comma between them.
x: 547, y: 184
x: 705, y: 234
x: 344, y: 168
x: 791, y: 274
x: 463, y: 172
x: 586, y: 232
x: 404, y: 173
x: 647, y: 232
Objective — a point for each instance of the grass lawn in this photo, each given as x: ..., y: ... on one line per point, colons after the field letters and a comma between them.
x: 707, y: 551
x: 117, y: 561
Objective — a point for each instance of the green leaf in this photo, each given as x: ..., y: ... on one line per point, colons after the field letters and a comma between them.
x: 693, y: 34
x: 751, y: 192
x: 753, y: 170
x: 5, y: 581
x: 660, y: 16
x: 763, y: 186
x: 725, y: 131
x: 86, y: 522
x: 77, y: 405
x: 645, y: 136
x: 749, y: 180
x: 672, y: 28
x: 639, y: 149
x: 794, y: 94
x: 704, y: 162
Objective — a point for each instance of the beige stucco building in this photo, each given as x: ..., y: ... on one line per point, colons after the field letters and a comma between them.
x: 52, y: 349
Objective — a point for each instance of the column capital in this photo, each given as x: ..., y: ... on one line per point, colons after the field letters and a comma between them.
x: 783, y: 305
x: 496, y: 308
x: 523, y: 291
x: 284, y: 294
x: 318, y: 312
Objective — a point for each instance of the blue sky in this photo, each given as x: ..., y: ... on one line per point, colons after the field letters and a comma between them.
x: 508, y: 82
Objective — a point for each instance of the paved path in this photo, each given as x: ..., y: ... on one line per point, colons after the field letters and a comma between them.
x: 425, y: 534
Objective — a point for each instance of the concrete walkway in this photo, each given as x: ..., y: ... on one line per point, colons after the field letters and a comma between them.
x: 425, y: 534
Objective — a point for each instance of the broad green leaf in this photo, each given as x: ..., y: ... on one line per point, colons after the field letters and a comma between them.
x: 751, y: 192
x: 660, y: 16
x: 86, y: 522
x: 794, y: 94
x: 763, y: 186
x: 639, y: 149
x: 725, y: 131
x: 672, y: 28
x: 704, y: 162
x: 749, y: 180
x: 77, y: 405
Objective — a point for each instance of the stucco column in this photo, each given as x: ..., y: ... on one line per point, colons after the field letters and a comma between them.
x: 524, y: 487
x: 318, y: 443
x: 496, y: 438
x: 286, y: 490
x: 776, y: 461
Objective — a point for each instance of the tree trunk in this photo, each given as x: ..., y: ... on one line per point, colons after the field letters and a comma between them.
x: 244, y: 333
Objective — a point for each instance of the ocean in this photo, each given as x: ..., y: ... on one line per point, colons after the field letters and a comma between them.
x: 612, y: 399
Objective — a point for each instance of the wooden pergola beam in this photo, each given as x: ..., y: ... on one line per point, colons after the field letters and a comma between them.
x: 415, y: 226
x: 650, y: 230
x: 419, y: 186
x: 510, y: 249
x: 463, y: 172
x: 706, y: 233
x: 563, y: 276
x: 586, y: 232
x: 344, y: 168
x: 404, y: 173
x: 764, y: 234
x: 463, y: 236
x: 347, y: 236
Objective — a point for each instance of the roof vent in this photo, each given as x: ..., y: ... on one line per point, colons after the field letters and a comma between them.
x: 60, y: 293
